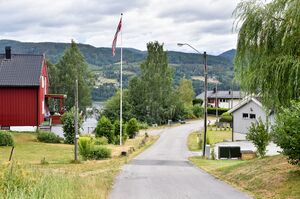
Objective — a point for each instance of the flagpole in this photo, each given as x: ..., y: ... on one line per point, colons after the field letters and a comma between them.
x: 121, y: 86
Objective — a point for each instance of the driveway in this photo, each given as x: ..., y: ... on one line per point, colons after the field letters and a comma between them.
x: 163, y: 172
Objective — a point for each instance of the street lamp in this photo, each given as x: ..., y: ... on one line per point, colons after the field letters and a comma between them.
x: 205, y: 92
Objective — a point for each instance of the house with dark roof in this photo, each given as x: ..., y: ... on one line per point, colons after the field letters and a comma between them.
x: 23, y: 88
x: 222, y: 99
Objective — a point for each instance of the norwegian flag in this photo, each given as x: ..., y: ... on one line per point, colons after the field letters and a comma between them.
x: 114, y: 43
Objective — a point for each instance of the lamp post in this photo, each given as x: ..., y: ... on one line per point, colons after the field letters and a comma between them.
x: 205, y: 92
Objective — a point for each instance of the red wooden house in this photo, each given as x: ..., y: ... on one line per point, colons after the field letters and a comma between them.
x: 23, y: 88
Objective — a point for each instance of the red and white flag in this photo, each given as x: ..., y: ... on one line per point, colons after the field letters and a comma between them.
x: 114, y: 43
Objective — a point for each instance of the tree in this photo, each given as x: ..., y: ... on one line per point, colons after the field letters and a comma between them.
x: 70, y: 67
x: 260, y: 137
x: 105, y: 129
x: 185, y: 92
x: 132, y: 127
x: 286, y: 132
x: 68, y: 126
x: 267, y: 59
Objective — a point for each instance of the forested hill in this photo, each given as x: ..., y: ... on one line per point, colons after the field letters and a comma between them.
x: 106, y: 67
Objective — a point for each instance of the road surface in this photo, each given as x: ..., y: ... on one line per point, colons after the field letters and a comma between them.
x: 163, y: 172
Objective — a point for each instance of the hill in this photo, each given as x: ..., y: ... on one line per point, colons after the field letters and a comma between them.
x: 106, y: 67
x: 230, y: 54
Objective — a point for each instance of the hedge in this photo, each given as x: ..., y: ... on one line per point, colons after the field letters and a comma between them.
x: 212, y: 110
x: 6, y: 139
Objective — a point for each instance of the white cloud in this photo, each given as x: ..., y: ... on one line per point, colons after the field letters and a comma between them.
x: 206, y: 24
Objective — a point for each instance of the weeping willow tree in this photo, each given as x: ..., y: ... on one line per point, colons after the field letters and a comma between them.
x: 268, y: 50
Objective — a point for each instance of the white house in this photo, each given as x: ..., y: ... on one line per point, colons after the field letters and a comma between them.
x: 222, y: 99
x: 249, y: 110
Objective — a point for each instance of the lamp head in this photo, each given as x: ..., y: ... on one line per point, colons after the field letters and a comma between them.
x: 180, y: 44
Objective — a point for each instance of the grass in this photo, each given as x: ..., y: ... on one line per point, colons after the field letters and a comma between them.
x: 270, y: 177
x: 59, y: 178
x: 214, y: 136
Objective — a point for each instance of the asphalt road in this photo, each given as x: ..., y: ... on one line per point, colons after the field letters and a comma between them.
x: 163, y: 172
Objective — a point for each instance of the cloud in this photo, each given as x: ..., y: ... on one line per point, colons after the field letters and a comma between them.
x: 204, y: 24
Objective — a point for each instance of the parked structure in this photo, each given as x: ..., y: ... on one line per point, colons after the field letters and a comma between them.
x: 245, y: 113
x: 222, y: 99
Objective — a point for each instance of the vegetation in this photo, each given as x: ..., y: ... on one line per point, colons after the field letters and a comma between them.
x: 226, y: 117
x: 99, y: 153
x: 47, y: 137
x: 286, y: 132
x: 132, y: 128
x: 100, y: 141
x: 198, y: 110
x: 85, y: 146
x: 68, y: 126
x: 116, y: 131
x: 259, y: 136
x: 105, y: 129
x: 27, y: 178
x: 212, y: 110
x: 72, y: 66
x: 6, y: 139
x: 267, y: 60
x: 270, y: 177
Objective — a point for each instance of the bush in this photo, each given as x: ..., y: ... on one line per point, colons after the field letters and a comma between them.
x: 68, y: 126
x: 198, y: 111
x: 286, y: 132
x: 212, y: 110
x: 117, y: 132
x: 6, y: 139
x: 143, y: 125
x: 105, y: 129
x: 132, y: 127
x: 198, y: 102
x: 226, y: 117
x: 85, y: 146
x: 47, y: 137
x: 100, y: 152
x: 260, y: 137
x: 100, y: 141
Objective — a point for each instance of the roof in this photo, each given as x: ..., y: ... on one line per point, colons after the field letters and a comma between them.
x: 20, y: 70
x: 221, y: 94
x: 245, y: 101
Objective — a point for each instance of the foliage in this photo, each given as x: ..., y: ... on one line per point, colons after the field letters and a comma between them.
x: 197, y: 101
x: 100, y: 152
x: 117, y: 132
x: 143, y: 125
x: 105, y: 129
x: 6, y: 139
x: 69, y: 127
x: 132, y: 127
x: 286, y: 132
x: 198, y: 110
x: 70, y: 67
x: 47, y: 137
x: 267, y: 60
x: 85, y: 146
x: 100, y: 141
x: 185, y: 91
x: 226, y: 117
x: 260, y: 137
x: 212, y: 110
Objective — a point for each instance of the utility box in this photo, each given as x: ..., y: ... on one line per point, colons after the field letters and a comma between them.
x: 228, y: 152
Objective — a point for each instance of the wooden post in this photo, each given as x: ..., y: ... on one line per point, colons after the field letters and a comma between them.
x: 11, y: 153
x: 76, y: 122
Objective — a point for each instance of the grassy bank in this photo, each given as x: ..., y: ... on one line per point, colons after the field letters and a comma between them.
x: 213, y: 136
x: 270, y: 177
x: 26, y: 177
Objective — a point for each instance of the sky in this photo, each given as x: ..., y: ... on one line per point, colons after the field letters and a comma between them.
x: 204, y: 24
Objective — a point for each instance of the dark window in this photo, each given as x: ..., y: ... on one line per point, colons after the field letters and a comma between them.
x: 252, y: 116
x: 245, y: 115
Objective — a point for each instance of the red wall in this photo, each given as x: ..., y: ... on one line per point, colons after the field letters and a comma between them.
x: 18, y: 106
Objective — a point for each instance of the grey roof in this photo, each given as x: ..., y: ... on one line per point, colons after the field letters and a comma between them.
x: 20, y: 70
x: 222, y: 94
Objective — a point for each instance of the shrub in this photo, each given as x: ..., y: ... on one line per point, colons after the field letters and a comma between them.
x: 6, y: 139
x: 68, y: 126
x: 100, y: 152
x: 100, y: 141
x: 198, y: 110
x: 132, y: 127
x: 143, y: 125
x: 286, y: 132
x: 198, y: 102
x: 212, y: 110
x: 85, y: 146
x: 188, y: 112
x: 117, y: 132
x: 226, y: 117
x: 105, y: 129
x: 260, y: 137
x: 47, y: 137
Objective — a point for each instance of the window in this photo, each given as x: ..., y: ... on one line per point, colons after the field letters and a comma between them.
x: 43, y: 81
x: 43, y: 107
x: 223, y: 100
x: 252, y: 116
x: 245, y: 115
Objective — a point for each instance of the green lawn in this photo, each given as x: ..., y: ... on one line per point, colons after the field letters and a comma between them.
x: 59, y: 178
x: 270, y: 177
x: 213, y: 137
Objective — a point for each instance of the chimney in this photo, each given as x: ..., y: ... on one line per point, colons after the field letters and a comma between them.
x: 7, y: 52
